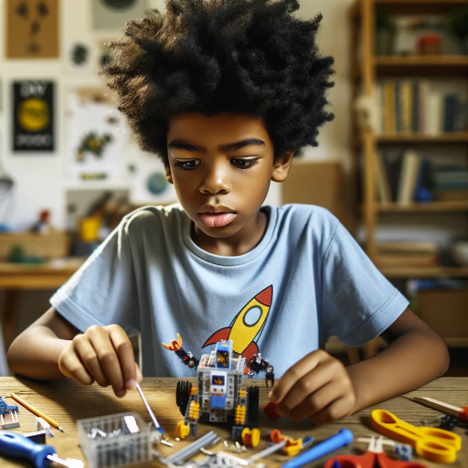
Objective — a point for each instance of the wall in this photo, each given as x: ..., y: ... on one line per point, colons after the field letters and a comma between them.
x: 40, y: 178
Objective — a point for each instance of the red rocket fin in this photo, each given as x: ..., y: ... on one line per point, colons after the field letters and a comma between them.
x: 219, y: 335
x: 250, y: 351
x: 265, y: 296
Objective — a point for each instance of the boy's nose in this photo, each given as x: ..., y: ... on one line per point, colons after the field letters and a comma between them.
x: 215, y: 181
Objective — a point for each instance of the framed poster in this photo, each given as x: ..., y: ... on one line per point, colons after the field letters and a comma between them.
x: 97, y: 137
x: 32, y: 29
x: 113, y: 14
x: 33, y: 115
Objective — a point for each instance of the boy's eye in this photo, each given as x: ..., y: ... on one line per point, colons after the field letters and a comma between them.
x: 243, y: 163
x: 191, y: 164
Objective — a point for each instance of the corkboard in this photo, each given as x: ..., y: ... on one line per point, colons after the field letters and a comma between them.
x: 32, y: 29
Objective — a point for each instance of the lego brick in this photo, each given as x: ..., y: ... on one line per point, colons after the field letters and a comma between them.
x: 218, y: 402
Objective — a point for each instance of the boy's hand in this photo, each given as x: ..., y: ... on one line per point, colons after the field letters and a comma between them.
x: 104, y: 355
x: 317, y: 387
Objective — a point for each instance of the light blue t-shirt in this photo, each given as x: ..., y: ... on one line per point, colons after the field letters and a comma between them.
x: 305, y: 281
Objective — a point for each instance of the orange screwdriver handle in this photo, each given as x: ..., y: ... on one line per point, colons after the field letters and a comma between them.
x: 463, y: 415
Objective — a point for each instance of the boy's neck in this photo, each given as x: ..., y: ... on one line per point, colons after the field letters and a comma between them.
x: 239, y: 244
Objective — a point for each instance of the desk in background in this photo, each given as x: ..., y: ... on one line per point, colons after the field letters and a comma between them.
x: 15, y: 278
x: 67, y: 401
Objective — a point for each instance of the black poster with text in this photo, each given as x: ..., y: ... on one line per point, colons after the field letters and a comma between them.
x: 33, y: 109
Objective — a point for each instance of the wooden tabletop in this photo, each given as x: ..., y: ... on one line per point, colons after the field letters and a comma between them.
x: 67, y: 401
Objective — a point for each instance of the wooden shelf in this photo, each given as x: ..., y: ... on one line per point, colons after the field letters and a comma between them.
x: 437, y: 206
x: 426, y: 272
x: 421, y: 65
x: 405, y: 7
x: 415, y: 138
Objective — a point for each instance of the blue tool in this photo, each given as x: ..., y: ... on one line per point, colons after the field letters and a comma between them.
x: 342, y: 438
x: 17, y: 446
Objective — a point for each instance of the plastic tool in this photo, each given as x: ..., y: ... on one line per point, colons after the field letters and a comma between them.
x: 17, y: 446
x: 460, y: 413
x: 150, y: 411
x: 430, y: 443
x: 342, y: 438
x: 374, y: 457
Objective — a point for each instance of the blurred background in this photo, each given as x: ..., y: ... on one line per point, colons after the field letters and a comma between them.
x: 392, y: 166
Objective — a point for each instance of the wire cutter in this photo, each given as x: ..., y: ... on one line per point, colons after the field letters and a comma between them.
x: 375, y: 457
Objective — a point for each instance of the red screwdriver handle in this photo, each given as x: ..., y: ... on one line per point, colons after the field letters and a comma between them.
x: 463, y: 415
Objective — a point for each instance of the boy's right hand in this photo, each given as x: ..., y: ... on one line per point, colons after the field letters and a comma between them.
x: 104, y: 355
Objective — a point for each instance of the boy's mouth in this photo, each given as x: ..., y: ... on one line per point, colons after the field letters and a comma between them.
x: 217, y: 219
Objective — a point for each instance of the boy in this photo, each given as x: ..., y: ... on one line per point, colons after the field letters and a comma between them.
x: 226, y: 92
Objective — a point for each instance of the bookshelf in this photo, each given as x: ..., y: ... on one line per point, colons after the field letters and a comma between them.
x: 366, y: 69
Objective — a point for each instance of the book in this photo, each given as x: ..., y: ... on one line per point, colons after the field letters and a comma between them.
x: 408, y: 177
x: 397, y: 95
x: 389, y: 91
x: 415, y: 108
x: 423, y: 91
x: 433, y: 113
x: 410, y: 260
x: 406, y: 106
x: 450, y: 108
x: 393, y: 169
x: 407, y: 247
x: 382, y: 184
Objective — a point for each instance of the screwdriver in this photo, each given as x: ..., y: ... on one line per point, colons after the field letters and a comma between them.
x: 17, y: 446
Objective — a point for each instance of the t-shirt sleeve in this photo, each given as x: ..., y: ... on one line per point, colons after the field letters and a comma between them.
x: 359, y: 303
x: 103, y: 291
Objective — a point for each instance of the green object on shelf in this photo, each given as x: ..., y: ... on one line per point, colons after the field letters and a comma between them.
x: 458, y: 26
x: 18, y: 255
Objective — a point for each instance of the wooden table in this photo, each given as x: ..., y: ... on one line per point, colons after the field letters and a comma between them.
x: 67, y: 401
x: 15, y: 278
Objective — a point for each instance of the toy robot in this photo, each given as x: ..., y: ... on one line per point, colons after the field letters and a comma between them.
x: 219, y: 397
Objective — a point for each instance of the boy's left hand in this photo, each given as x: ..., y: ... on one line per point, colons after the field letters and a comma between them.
x: 317, y: 387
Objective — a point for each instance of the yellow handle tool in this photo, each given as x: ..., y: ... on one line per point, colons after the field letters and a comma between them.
x: 430, y: 443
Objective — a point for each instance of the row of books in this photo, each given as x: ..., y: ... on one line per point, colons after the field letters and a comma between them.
x: 409, y: 106
x: 409, y: 178
x: 408, y: 254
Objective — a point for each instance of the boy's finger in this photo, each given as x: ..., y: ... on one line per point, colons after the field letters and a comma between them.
x: 90, y: 360
x: 295, y: 373
x: 335, y: 410
x: 70, y: 364
x: 138, y: 373
x: 108, y: 358
x: 124, y: 350
x: 308, y: 385
x: 316, y: 402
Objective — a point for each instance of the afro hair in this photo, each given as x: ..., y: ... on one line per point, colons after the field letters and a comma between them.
x: 245, y: 56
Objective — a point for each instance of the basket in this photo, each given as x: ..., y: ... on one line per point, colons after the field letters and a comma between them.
x: 119, y: 447
x: 52, y: 245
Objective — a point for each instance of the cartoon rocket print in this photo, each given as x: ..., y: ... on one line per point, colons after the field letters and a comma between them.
x: 247, y: 325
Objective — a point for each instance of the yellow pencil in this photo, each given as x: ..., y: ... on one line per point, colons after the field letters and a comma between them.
x: 51, y: 421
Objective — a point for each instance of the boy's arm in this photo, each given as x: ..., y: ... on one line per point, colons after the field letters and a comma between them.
x: 321, y: 388
x: 35, y: 352
x: 52, y: 348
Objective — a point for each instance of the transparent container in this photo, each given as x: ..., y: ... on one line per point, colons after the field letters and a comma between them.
x: 108, y: 441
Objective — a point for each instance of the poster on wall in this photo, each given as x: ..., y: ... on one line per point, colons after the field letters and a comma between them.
x: 113, y: 14
x: 96, y: 136
x: 32, y: 29
x: 148, y: 180
x: 33, y: 115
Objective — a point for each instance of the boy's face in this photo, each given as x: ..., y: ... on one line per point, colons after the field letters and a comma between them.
x: 221, y: 167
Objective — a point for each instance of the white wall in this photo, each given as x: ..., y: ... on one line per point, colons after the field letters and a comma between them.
x: 40, y: 181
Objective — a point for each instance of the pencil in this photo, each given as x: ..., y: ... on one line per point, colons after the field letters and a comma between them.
x: 51, y: 421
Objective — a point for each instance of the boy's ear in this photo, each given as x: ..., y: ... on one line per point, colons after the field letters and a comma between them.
x: 282, y: 166
x: 168, y: 172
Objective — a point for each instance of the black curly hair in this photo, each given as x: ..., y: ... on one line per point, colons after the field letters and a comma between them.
x: 245, y: 56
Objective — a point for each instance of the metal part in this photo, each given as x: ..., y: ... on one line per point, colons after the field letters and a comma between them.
x: 267, y: 451
x: 189, y: 450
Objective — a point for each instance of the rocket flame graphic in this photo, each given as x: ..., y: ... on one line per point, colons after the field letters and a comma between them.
x: 247, y: 325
